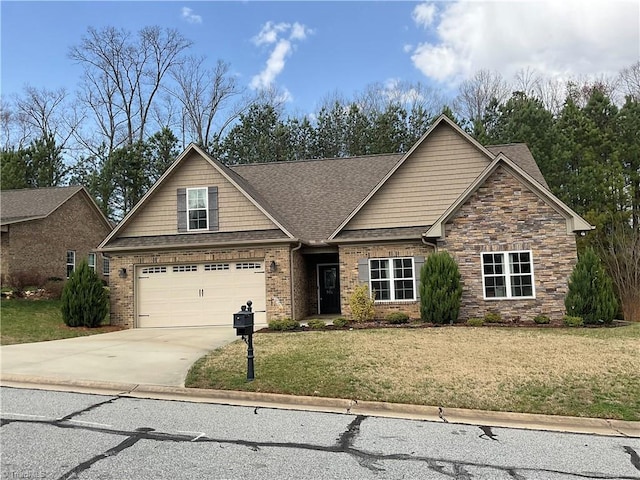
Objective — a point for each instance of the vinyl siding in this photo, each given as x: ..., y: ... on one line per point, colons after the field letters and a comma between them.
x: 159, y: 215
x: 430, y: 180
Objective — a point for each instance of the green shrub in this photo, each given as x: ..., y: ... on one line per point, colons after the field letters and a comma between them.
x: 570, y: 321
x: 84, y: 300
x: 361, y: 304
x: 493, y: 317
x: 541, y: 319
x: 397, y: 318
x: 591, y: 294
x: 341, y: 322
x: 283, y: 324
x: 440, y: 289
x: 475, y: 322
x: 316, y: 324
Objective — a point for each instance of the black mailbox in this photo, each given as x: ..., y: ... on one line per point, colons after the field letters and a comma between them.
x: 243, y: 320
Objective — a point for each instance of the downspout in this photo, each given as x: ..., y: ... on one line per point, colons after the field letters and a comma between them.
x: 427, y: 242
x: 293, y: 298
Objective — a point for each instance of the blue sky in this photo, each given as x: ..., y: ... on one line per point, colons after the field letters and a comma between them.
x: 311, y: 49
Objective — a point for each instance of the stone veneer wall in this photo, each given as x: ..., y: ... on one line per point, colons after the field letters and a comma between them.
x: 277, y: 284
x: 504, y: 215
x: 349, y: 256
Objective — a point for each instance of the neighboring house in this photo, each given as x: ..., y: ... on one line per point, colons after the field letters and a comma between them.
x: 296, y: 238
x: 46, y: 232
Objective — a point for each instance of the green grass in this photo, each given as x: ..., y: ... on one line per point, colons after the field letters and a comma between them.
x: 580, y: 372
x: 25, y: 321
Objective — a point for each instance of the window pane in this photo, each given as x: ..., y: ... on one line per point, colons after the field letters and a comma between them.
x: 403, y: 289
x: 197, y: 198
x: 105, y: 266
x: 381, y: 290
x: 91, y: 260
x: 379, y: 269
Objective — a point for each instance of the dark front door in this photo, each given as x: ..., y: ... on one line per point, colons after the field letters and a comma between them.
x: 328, y: 289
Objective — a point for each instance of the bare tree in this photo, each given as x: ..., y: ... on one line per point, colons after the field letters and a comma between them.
x: 476, y: 93
x: 619, y: 250
x: 527, y: 81
x: 207, y: 98
x: 122, y: 75
x: 630, y: 80
x: 412, y: 96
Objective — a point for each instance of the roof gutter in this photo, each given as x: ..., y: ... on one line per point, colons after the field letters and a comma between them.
x: 195, y: 245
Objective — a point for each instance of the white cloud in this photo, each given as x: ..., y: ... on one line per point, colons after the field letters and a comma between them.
x: 282, y: 36
x: 189, y: 16
x: 407, y: 48
x: 568, y: 38
x: 424, y: 13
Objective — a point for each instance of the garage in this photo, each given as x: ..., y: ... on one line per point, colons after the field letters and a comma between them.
x: 198, y: 294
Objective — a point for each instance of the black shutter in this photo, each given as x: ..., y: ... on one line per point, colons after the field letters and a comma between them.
x: 213, y: 209
x: 182, y: 210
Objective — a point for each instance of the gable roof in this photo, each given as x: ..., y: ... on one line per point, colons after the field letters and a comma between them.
x: 314, y: 196
x: 35, y: 203
x: 575, y: 223
x: 520, y: 154
x: 238, y: 182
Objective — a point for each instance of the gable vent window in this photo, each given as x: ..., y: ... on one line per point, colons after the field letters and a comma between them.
x: 154, y: 270
x: 508, y: 275
x: 197, y: 209
x: 211, y: 267
x: 248, y: 266
x: 185, y: 268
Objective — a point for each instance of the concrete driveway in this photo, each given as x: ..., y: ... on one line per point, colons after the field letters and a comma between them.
x: 152, y: 356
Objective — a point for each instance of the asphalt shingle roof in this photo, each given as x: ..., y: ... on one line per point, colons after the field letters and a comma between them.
x: 312, y: 198
x: 32, y: 203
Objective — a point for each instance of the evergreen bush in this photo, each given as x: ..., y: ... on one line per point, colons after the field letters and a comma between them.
x: 591, y: 294
x: 440, y: 289
x: 361, y: 304
x: 84, y: 299
x: 541, y: 319
x: 316, y: 324
x: 340, y: 322
x: 396, y: 318
x: 475, y: 322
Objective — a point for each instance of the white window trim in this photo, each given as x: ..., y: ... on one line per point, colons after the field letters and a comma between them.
x: 106, y: 263
x: 391, y: 280
x: 206, y: 209
x: 508, y: 274
x: 73, y: 264
x: 95, y: 259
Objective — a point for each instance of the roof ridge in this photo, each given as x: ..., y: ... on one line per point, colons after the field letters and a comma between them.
x: 309, y: 160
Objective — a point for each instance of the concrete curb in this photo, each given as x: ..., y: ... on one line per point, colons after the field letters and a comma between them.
x: 528, y: 421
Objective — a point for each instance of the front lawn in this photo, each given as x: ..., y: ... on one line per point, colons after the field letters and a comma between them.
x: 25, y: 321
x: 579, y: 372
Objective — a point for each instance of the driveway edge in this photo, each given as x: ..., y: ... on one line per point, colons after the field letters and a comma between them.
x: 527, y: 421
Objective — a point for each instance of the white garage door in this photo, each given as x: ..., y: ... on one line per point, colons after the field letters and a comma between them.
x: 198, y: 294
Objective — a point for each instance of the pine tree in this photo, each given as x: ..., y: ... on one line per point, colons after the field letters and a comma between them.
x: 591, y: 294
x: 84, y: 299
x: 440, y: 289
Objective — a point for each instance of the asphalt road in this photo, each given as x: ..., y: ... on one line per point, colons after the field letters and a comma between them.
x: 61, y: 435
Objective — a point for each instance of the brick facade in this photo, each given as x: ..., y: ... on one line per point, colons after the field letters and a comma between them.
x: 40, y: 246
x: 504, y: 215
x: 277, y: 283
x: 349, y: 277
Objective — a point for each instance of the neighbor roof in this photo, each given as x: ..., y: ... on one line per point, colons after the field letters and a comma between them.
x: 32, y: 203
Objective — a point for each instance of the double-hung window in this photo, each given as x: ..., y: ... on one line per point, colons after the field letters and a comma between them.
x: 71, y: 262
x: 392, y: 279
x: 197, y: 208
x: 508, y: 275
x: 105, y: 266
x: 91, y: 260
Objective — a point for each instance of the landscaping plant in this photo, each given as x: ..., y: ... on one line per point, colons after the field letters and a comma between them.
x: 84, y: 299
x: 440, y: 289
x: 591, y: 294
x: 361, y: 304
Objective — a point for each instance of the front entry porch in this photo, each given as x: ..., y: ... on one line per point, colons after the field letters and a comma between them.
x: 322, y: 285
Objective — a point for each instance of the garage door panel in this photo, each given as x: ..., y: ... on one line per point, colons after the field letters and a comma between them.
x: 198, y: 294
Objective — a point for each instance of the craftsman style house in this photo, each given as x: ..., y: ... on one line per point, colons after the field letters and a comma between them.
x: 46, y: 232
x: 296, y: 238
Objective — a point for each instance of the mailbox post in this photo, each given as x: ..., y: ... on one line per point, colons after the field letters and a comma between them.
x: 243, y: 323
